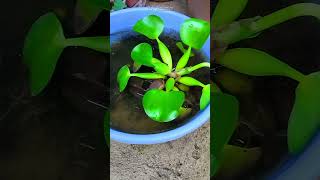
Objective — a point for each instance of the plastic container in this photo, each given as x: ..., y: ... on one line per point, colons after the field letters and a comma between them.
x: 124, y: 20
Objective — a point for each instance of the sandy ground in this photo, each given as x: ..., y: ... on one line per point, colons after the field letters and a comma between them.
x: 187, y: 158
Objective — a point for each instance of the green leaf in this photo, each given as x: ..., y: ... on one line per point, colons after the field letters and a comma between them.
x: 170, y: 84
x: 189, y: 81
x: 87, y: 12
x: 163, y: 106
x: 227, y: 11
x: 161, y: 68
x: 189, y: 70
x: 165, y: 54
x: 305, y: 117
x: 98, y: 43
x: 123, y: 77
x: 142, y: 54
x: 224, y: 116
x: 205, y: 97
x: 150, y: 26
x: 194, y: 32
x: 107, y: 128
x: 118, y: 5
x: 257, y: 63
x: 182, y: 49
x: 183, y: 61
x: 42, y: 49
x: 148, y: 75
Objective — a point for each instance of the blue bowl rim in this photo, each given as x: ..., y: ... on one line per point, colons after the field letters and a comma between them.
x: 194, y: 123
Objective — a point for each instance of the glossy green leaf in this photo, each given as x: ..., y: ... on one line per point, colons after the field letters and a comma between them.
x: 165, y: 54
x: 170, y: 84
x: 183, y: 61
x: 142, y: 54
x: 156, y: 106
x: 42, y: 49
x: 195, y: 32
x: 304, y: 120
x: 227, y: 11
x: 182, y: 49
x: 87, y: 12
x: 189, y: 81
x: 224, y: 117
x: 205, y: 97
x: 123, y: 77
x: 107, y: 128
x: 257, y: 63
x: 150, y: 26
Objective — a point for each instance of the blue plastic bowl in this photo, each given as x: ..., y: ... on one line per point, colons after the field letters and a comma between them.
x: 124, y: 20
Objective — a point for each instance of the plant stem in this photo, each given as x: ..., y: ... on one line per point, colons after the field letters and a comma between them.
x: 293, y: 11
x: 188, y: 70
x: 148, y: 75
x: 100, y: 43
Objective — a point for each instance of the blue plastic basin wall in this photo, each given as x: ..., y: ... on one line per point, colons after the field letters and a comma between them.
x: 124, y: 20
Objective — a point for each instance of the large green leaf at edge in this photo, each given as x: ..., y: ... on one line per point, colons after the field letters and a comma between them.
x: 227, y: 11
x: 150, y: 26
x: 42, y: 49
x: 305, y: 117
x: 224, y: 117
x: 162, y: 106
x: 205, y: 97
x: 194, y: 32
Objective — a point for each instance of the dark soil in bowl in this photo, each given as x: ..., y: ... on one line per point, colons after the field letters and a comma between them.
x: 58, y: 134
x: 127, y: 113
x: 264, y: 113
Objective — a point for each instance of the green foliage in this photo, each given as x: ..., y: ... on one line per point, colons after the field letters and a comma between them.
x: 159, y: 105
x: 156, y: 106
x: 224, y: 117
x: 304, y: 119
x: 118, y: 5
x: 43, y: 46
x: 227, y: 11
x: 305, y: 116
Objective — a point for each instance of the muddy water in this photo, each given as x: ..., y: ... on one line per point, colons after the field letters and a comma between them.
x: 127, y: 113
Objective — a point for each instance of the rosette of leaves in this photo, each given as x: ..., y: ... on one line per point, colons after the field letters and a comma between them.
x: 304, y: 120
x: 166, y: 105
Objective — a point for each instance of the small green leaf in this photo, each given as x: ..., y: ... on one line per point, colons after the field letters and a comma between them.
x: 224, y: 117
x: 163, y: 106
x: 195, y: 32
x: 189, y: 81
x: 182, y: 49
x: 165, y: 53
x: 87, y: 12
x: 42, y: 49
x: 227, y: 11
x: 257, y: 63
x: 123, y: 77
x: 304, y: 120
x: 205, y: 97
x: 175, y: 89
x: 142, y: 54
x: 183, y: 61
x: 170, y: 84
x: 150, y: 26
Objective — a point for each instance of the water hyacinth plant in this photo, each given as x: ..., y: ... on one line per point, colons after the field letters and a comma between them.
x: 304, y: 120
x: 166, y: 105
